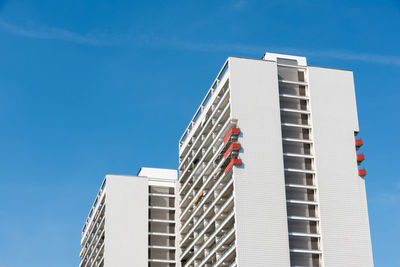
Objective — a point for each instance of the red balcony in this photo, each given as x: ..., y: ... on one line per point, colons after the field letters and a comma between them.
x: 360, y: 157
x: 362, y: 172
x: 233, y: 162
x: 358, y: 142
x: 232, y: 132
x: 232, y: 147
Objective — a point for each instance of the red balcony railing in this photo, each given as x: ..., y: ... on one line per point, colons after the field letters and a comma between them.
x: 362, y: 172
x: 232, y: 132
x: 360, y: 157
x: 359, y: 142
x: 233, y: 162
x: 232, y: 147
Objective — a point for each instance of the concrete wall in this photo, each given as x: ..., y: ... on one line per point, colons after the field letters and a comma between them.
x: 259, y: 187
x: 126, y: 236
x: 343, y: 206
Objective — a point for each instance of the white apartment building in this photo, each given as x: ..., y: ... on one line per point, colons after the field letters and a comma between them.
x: 269, y: 170
x: 132, y: 221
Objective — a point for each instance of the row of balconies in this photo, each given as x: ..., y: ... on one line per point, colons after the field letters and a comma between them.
x: 360, y: 157
x: 207, y: 224
x: 205, y: 151
x: 204, y: 137
x: 222, y: 79
x: 162, y: 236
x: 205, y: 196
x: 99, y: 197
x: 230, y: 150
x: 96, y: 257
x: 94, y: 212
x: 209, y: 170
x: 207, y: 191
x: 302, y: 204
x: 205, y: 211
x: 214, y: 241
x: 222, y: 253
x: 207, y: 113
x: 92, y: 234
x: 88, y: 251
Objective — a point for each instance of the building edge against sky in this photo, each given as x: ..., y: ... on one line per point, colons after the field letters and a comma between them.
x: 269, y: 173
x: 132, y: 221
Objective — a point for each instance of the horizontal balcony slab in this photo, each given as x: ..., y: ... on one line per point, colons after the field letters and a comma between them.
x: 307, y: 251
x: 313, y: 187
x: 304, y: 234
x: 302, y: 218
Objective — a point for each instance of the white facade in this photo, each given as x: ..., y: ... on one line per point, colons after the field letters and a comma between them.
x: 269, y: 169
x: 269, y: 175
x: 132, y: 221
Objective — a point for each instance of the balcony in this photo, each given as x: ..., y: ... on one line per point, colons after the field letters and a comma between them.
x: 206, y: 190
x: 292, y: 82
x: 360, y: 158
x: 294, y: 105
x: 205, y: 139
x: 233, y: 149
x: 362, y: 172
x: 300, y: 259
x: 208, y: 237
x: 161, y: 255
x: 205, y: 194
x: 208, y: 212
x: 220, y: 84
x: 205, y: 222
x: 358, y: 143
x: 226, y: 244
x: 197, y: 167
x: 206, y: 170
x: 233, y: 162
x: 96, y: 226
x: 303, y: 226
x: 233, y: 132
x: 303, y: 218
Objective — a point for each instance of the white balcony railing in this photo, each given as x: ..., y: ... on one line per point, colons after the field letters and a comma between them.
x: 211, y: 92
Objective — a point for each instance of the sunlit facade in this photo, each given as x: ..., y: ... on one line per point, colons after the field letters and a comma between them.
x: 269, y: 172
x: 132, y: 221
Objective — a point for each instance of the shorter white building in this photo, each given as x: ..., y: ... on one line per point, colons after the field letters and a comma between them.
x: 132, y: 221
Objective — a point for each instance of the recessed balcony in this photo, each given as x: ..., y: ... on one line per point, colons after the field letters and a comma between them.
x: 233, y: 148
x: 233, y: 162
x: 233, y: 132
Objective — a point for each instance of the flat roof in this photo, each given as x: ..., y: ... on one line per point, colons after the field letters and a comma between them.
x: 158, y: 173
x: 269, y: 60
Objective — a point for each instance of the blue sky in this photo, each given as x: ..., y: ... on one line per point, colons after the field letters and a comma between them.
x: 95, y: 87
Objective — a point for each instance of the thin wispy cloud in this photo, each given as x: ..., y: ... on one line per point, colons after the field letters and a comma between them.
x: 365, y: 57
x: 32, y: 30
x: 198, y: 46
x: 256, y: 49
